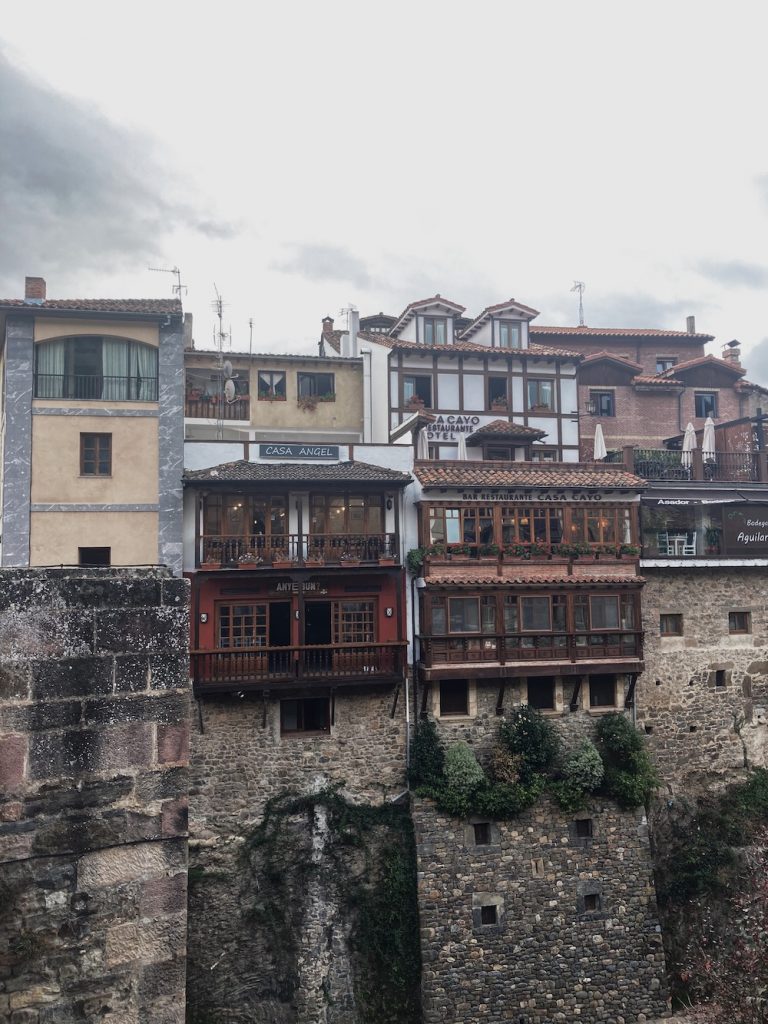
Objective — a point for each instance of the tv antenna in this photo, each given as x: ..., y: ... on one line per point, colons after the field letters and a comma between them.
x: 218, y: 307
x: 178, y: 288
x: 580, y: 287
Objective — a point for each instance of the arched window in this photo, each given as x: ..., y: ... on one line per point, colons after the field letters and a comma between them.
x: 96, y: 368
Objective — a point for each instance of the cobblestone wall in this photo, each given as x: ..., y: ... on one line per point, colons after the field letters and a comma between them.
x: 538, y: 925
x: 94, y: 711
x: 703, y: 726
x: 237, y: 962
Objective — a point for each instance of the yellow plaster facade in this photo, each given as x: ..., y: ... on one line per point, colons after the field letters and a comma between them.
x: 56, y: 458
x: 55, y: 537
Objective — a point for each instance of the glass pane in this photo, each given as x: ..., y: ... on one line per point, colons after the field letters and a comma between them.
x: 558, y: 614
x: 510, y: 615
x: 464, y: 613
x: 452, y: 526
x: 488, y: 612
x: 580, y: 618
x: 605, y: 612
x: 535, y: 612
x: 289, y: 715
x: 438, y: 618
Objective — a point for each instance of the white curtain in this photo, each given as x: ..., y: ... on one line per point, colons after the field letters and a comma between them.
x: 143, y: 373
x: 114, y: 368
x: 50, y: 369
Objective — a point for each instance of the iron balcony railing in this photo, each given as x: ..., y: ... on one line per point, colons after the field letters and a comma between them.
x: 512, y: 647
x: 95, y: 387
x: 332, y: 549
x: 662, y: 464
x: 244, y: 667
x: 217, y: 408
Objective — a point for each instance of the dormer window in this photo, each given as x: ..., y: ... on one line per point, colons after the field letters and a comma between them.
x: 435, y: 330
x: 508, y: 334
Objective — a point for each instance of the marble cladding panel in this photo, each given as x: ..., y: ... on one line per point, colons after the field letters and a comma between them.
x: 171, y: 444
x: 16, y: 469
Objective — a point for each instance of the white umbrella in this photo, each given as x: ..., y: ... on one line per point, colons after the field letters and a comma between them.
x: 461, y: 448
x: 708, y: 439
x: 422, y: 445
x: 689, y: 445
x: 600, y: 451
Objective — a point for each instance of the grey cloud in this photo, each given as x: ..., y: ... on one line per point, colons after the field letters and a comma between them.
x: 735, y: 272
x: 325, y: 263
x: 621, y: 310
x: 77, y: 190
x: 762, y: 184
x: 756, y: 363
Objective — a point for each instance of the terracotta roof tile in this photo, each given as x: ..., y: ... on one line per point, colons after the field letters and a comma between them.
x: 153, y: 307
x: 594, y: 357
x: 646, y: 378
x: 505, y: 428
x: 342, y: 472
x: 527, y: 474
x: 691, y: 364
x: 619, y: 332
x: 533, y: 350
x: 412, y: 306
x: 478, y: 322
x: 464, y: 579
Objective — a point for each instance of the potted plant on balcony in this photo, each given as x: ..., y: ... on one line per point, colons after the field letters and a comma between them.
x: 209, y: 563
x: 415, y: 560
x: 386, y: 557
x: 499, y: 405
x: 515, y: 552
x: 435, y: 552
x: 349, y: 557
x: 489, y: 553
x: 249, y: 560
x: 281, y: 559
x: 415, y: 404
x: 628, y: 551
x: 458, y: 552
x: 539, y: 551
x: 712, y: 539
x: 315, y: 557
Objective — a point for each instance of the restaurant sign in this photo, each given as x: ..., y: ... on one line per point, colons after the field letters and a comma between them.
x: 448, y: 428
x: 745, y: 531
x: 533, y: 494
x: 298, y: 451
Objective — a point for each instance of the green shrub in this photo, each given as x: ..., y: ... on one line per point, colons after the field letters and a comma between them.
x: 463, y: 777
x: 505, y: 766
x: 618, y: 738
x: 528, y: 733
x: 584, y: 768
x: 630, y: 778
x: 567, y: 795
x: 427, y: 757
x: 507, y: 800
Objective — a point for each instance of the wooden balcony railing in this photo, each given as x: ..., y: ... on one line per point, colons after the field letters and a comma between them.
x: 332, y: 549
x: 217, y: 408
x: 528, y: 551
x: 512, y: 647
x: 250, y: 667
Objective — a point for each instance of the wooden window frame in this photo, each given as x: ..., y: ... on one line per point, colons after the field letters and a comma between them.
x: 538, y: 405
x: 313, y: 376
x: 597, y: 395
x: 734, y: 628
x: 422, y: 376
x: 271, y: 395
x: 221, y: 606
x: 705, y: 394
x: 671, y: 618
x: 515, y: 328
x: 301, y: 702
x: 101, y: 441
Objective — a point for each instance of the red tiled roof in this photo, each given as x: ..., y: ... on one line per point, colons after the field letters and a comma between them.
x: 431, y: 301
x: 254, y: 472
x: 440, y: 578
x: 594, y: 357
x: 153, y: 307
x: 526, y: 474
x: 506, y: 428
x: 533, y: 350
x: 478, y: 322
x: 620, y: 332
x: 646, y: 378
x: 691, y: 364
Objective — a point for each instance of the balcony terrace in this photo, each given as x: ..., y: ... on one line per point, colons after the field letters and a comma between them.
x: 257, y: 551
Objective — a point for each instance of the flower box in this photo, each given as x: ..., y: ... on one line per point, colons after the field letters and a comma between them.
x: 386, y: 560
x: 282, y: 563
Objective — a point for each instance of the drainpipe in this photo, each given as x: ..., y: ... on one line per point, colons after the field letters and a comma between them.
x: 367, y: 395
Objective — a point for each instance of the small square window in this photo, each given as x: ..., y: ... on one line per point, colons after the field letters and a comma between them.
x: 721, y: 679
x: 271, y: 384
x: 489, y: 914
x: 583, y: 828
x: 541, y: 693
x: 309, y: 715
x: 739, y: 622
x: 671, y: 624
x: 605, y: 402
x: 602, y: 691
x: 316, y: 385
x: 454, y: 697
x: 705, y: 404
x: 94, y: 556
x: 482, y: 830
x: 95, y: 454
x: 592, y: 902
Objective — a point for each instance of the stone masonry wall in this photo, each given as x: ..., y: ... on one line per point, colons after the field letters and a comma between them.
x: 698, y: 732
x: 239, y: 964
x: 550, y: 955
x: 94, y: 711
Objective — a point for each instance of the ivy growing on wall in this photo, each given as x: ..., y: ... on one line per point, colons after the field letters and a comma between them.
x: 369, y: 863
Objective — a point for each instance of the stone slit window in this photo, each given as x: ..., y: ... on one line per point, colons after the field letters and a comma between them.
x: 489, y: 914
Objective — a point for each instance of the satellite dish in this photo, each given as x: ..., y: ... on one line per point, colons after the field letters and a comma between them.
x: 227, y: 368
x: 229, y: 390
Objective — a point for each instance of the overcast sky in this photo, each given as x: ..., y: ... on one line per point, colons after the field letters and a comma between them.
x: 303, y: 156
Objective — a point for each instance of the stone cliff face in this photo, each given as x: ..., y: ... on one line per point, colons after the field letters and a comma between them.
x: 94, y: 711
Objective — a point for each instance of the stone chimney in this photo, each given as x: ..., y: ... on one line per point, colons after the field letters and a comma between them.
x: 732, y: 353
x: 690, y: 324
x: 34, y: 289
x: 189, y: 341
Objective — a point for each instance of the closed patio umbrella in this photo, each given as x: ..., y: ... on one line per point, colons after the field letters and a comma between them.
x: 461, y: 448
x: 708, y: 439
x: 600, y: 451
x: 689, y: 445
x: 422, y: 445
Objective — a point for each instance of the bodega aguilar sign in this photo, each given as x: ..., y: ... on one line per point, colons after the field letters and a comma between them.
x: 745, y: 531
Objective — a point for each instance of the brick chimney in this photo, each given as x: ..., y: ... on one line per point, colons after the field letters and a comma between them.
x: 34, y: 289
x: 732, y: 353
x: 690, y: 324
x: 327, y: 324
